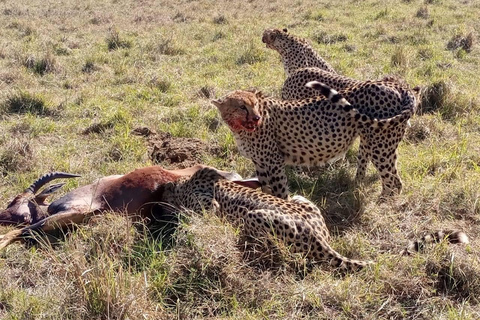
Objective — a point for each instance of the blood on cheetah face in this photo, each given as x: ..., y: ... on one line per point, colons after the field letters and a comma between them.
x: 239, y: 110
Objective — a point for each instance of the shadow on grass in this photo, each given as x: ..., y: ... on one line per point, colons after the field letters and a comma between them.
x: 334, y: 191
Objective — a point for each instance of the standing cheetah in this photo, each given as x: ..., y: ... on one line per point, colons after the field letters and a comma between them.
x: 296, y: 53
x: 380, y: 99
x: 308, y: 132
x: 297, y: 223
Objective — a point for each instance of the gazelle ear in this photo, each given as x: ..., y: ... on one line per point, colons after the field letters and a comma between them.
x: 252, y: 183
x: 170, y: 185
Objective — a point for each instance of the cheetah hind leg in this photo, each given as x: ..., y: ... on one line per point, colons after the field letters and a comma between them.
x: 363, y: 158
x: 315, y: 215
x: 304, y: 201
x: 384, y: 159
x: 297, y: 235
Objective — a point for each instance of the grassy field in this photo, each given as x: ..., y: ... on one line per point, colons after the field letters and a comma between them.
x: 66, y: 66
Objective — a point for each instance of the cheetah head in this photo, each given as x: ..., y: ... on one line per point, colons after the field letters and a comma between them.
x: 239, y: 109
x: 274, y: 38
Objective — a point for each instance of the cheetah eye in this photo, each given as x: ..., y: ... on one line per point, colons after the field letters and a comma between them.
x: 243, y: 107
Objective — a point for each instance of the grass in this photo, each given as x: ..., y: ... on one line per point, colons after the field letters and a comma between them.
x: 75, y: 83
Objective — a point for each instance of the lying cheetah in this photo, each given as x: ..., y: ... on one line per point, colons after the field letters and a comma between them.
x: 296, y: 53
x: 308, y: 132
x: 297, y: 223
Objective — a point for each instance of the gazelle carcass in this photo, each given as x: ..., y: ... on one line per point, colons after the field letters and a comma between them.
x: 134, y: 193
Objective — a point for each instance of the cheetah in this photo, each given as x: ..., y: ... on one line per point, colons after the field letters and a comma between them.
x: 302, y: 64
x: 297, y: 223
x: 296, y: 53
x: 386, y: 98
x: 377, y: 99
x: 310, y: 132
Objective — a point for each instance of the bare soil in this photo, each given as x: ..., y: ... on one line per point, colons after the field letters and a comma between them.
x: 175, y: 151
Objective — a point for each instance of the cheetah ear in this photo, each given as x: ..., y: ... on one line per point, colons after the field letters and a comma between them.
x: 252, y: 183
x: 258, y: 94
x: 218, y: 102
x: 285, y: 30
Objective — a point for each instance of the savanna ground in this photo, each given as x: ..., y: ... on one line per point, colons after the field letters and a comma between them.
x: 77, y: 77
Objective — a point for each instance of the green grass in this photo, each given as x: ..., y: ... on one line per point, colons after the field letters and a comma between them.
x: 74, y: 83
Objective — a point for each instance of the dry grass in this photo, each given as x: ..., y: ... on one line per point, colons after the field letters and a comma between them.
x: 75, y: 83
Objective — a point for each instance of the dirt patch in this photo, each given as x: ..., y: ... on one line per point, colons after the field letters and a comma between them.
x: 179, y: 152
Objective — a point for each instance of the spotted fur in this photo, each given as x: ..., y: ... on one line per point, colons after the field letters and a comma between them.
x: 297, y: 223
x: 378, y: 99
x: 308, y: 132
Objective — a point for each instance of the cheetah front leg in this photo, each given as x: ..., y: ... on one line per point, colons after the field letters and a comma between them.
x: 273, y: 180
x: 196, y: 201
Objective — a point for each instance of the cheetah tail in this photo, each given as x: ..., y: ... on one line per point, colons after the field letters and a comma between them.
x: 341, y: 262
x: 394, y: 121
x: 331, y: 94
x: 452, y: 236
x: 338, y: 100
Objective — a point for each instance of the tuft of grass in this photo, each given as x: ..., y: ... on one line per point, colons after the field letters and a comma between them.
x: 180, y: 17
x: 118, y: 119
x: 251, y: 55
x: 314, y: 15
x: 419, y: 130
x: 423, y: 13
x: 46, y: 64
x: 456, y: 276
x: 8, y: 77
x: 382, y: 14
x: 16, y: 156
x: 24, y: 102
x: 114, y: 41
x: 400, y: 58
x: 62, y: 51
x: 221, y: 19
x: 206, y: 92
x: 169, y: 48
x: 435, y: 96
x: 461, y: 41
x: 163, y: 85
x: 218, y: 36
x: 89, y: 66
x: 426, y: 53
x: 324, y: 37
